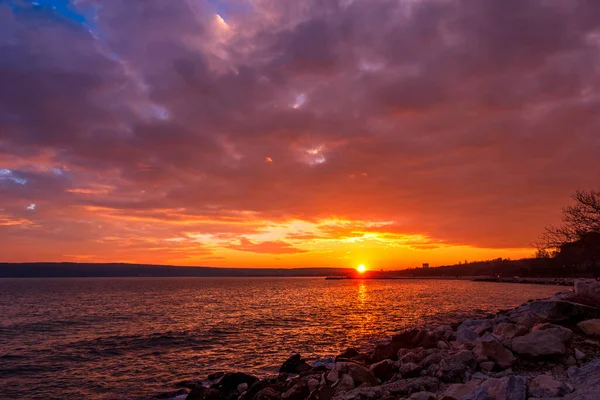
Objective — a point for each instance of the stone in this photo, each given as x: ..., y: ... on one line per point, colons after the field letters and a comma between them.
x: 242, y: 387
x: 507, y: 330
x: 465, y: 334
x: 267, y: 393
x: 383, y: 370
x: 345, y: 384
x: 458, y: 390
x: 383, y: 351
x: 580, y: 355
x: 412, y: 357
x: 434, y: 358
x: 230, y: 381
x: 587, y: 292
x: 348, y: 353
x: 357, y: 372
x: 423, y: 396
x: 507, y: 388
x: 486, y: 326
x: 563, y: 311
x: 524, y: 318
x: 538, y: 343
x: 212, y: 394
x: 313, y: 384
x: 197, y: 393
x: 406, y: 386
x: 453, y: 369
x: 591, y: 327
x: 416, y: 338
x: 586, y: 380
x: 294, y: 364
x: 442, y: 345
x: 571, y: 361
x: 565, y: 334
x: 558, y: 370
x: 545, y: 386
x: 300, y: 391
x: 493, y: 349
x: 487, y: 365
x: 410, y: 370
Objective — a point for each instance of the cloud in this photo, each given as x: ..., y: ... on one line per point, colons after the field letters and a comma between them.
x: 465, y: 123
x: 272, y: 247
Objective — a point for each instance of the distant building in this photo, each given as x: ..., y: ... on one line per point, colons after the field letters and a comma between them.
x: 425, y: 265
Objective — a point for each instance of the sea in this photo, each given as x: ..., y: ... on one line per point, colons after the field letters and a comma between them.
x: 133, y: 338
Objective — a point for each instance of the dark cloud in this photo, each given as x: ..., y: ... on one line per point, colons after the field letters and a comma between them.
x: 467, y: 122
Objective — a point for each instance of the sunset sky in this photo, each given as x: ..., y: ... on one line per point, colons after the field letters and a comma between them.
x: 280, y: 133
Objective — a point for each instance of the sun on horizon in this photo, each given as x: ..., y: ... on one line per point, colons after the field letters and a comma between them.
x: 361, y: 268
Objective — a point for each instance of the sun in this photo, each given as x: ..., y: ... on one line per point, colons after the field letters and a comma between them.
x: 361, y: 268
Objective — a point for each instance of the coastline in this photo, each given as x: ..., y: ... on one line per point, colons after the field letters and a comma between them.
x: 542, y: 349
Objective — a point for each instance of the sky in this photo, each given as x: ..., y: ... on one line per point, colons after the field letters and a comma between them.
x: 305, y: 133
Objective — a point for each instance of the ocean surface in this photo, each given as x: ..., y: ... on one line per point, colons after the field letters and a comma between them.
x: 131, y: 338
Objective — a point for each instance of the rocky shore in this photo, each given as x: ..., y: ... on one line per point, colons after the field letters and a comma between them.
x: 530, y: 281
x: 544, y: 349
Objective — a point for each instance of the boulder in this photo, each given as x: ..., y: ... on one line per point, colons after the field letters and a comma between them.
x: 507, y: 388
x: 458, y: 390
x: 434, y: 358
x: 295, y: 364
x: 565, y: 334
x: 523, y: 317
x: 464, y: 334
x: 479, y: 394
x: 267, y: 393
x: 487, y: 365
x: 383, y: 351
x: 383, y: 370
x: 357, y: 372
x: 538, y: 343
x: 590, y: 327
x: 507, y: 330
x: 416, y: 338
x: 197, y: 393
x: 410, y: 370
x: 563, y: 311
x: 490, y: 347
x: 406, y: 386
x: 299, y: 391
x: 348, y: 353
x: 586, y: 380
x: 442, y: 345
x: 486, y: 326
x: 544, y: 386
x: 212, y: 394
x: 587, y: 292
x: 230, y: 381
x: 580, y: 355
x: 453, y: 369
x: 412, y: 357
x: 345, y: 384
x: 423, y: 396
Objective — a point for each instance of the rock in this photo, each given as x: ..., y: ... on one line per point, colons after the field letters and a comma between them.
x: 524, y: 318
x: 587, y: 292
x: 171, y: 394
x: 383, y: 370
x: 507, y: 330
x: 453, y: 369
x: 466, y: 335
x: 545, y: 386
x: 325, y: 362
x: 590, y: 327
x: 486, y: 326
x: 493, y: 349
x: 294, y: 364
x: 345, y: 384
x: 479, y: 394
x: 383, y: 351
x: 348, y: 353
x: 416, y: 338
x: 324, y: 393
x: 357, y: 372
x: 538, y: 343
x: 434, y: 358
x: 313, y: 384
x: 487, y: 365
x: 580, y: 355
x: 197, y: 393
x: 442, y: 345
x: 230, y: 381
x: 571, y: 361
x: 563, y: 311
x: 563, y: 333
x: 242, y: 387
x: 212, y: 394
x: 423, y: 396
x: 458, y: 390
x: 216, y: 375
x: 412, y: 357
x: 507, y: 388
x: 300, y: 391
x: 406, y: 386
x: 410, y: 370
x: 268, y: 393
x: 586, y: 380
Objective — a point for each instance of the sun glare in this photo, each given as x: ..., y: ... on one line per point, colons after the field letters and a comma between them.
x: 361, y: 268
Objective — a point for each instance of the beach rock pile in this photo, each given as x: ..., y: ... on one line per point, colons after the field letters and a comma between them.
x: 542, y: 349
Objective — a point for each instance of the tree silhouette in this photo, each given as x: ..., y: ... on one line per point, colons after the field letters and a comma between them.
x: 577, y: 240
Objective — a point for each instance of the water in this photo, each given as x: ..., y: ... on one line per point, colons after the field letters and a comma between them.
x: 128, y: 338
